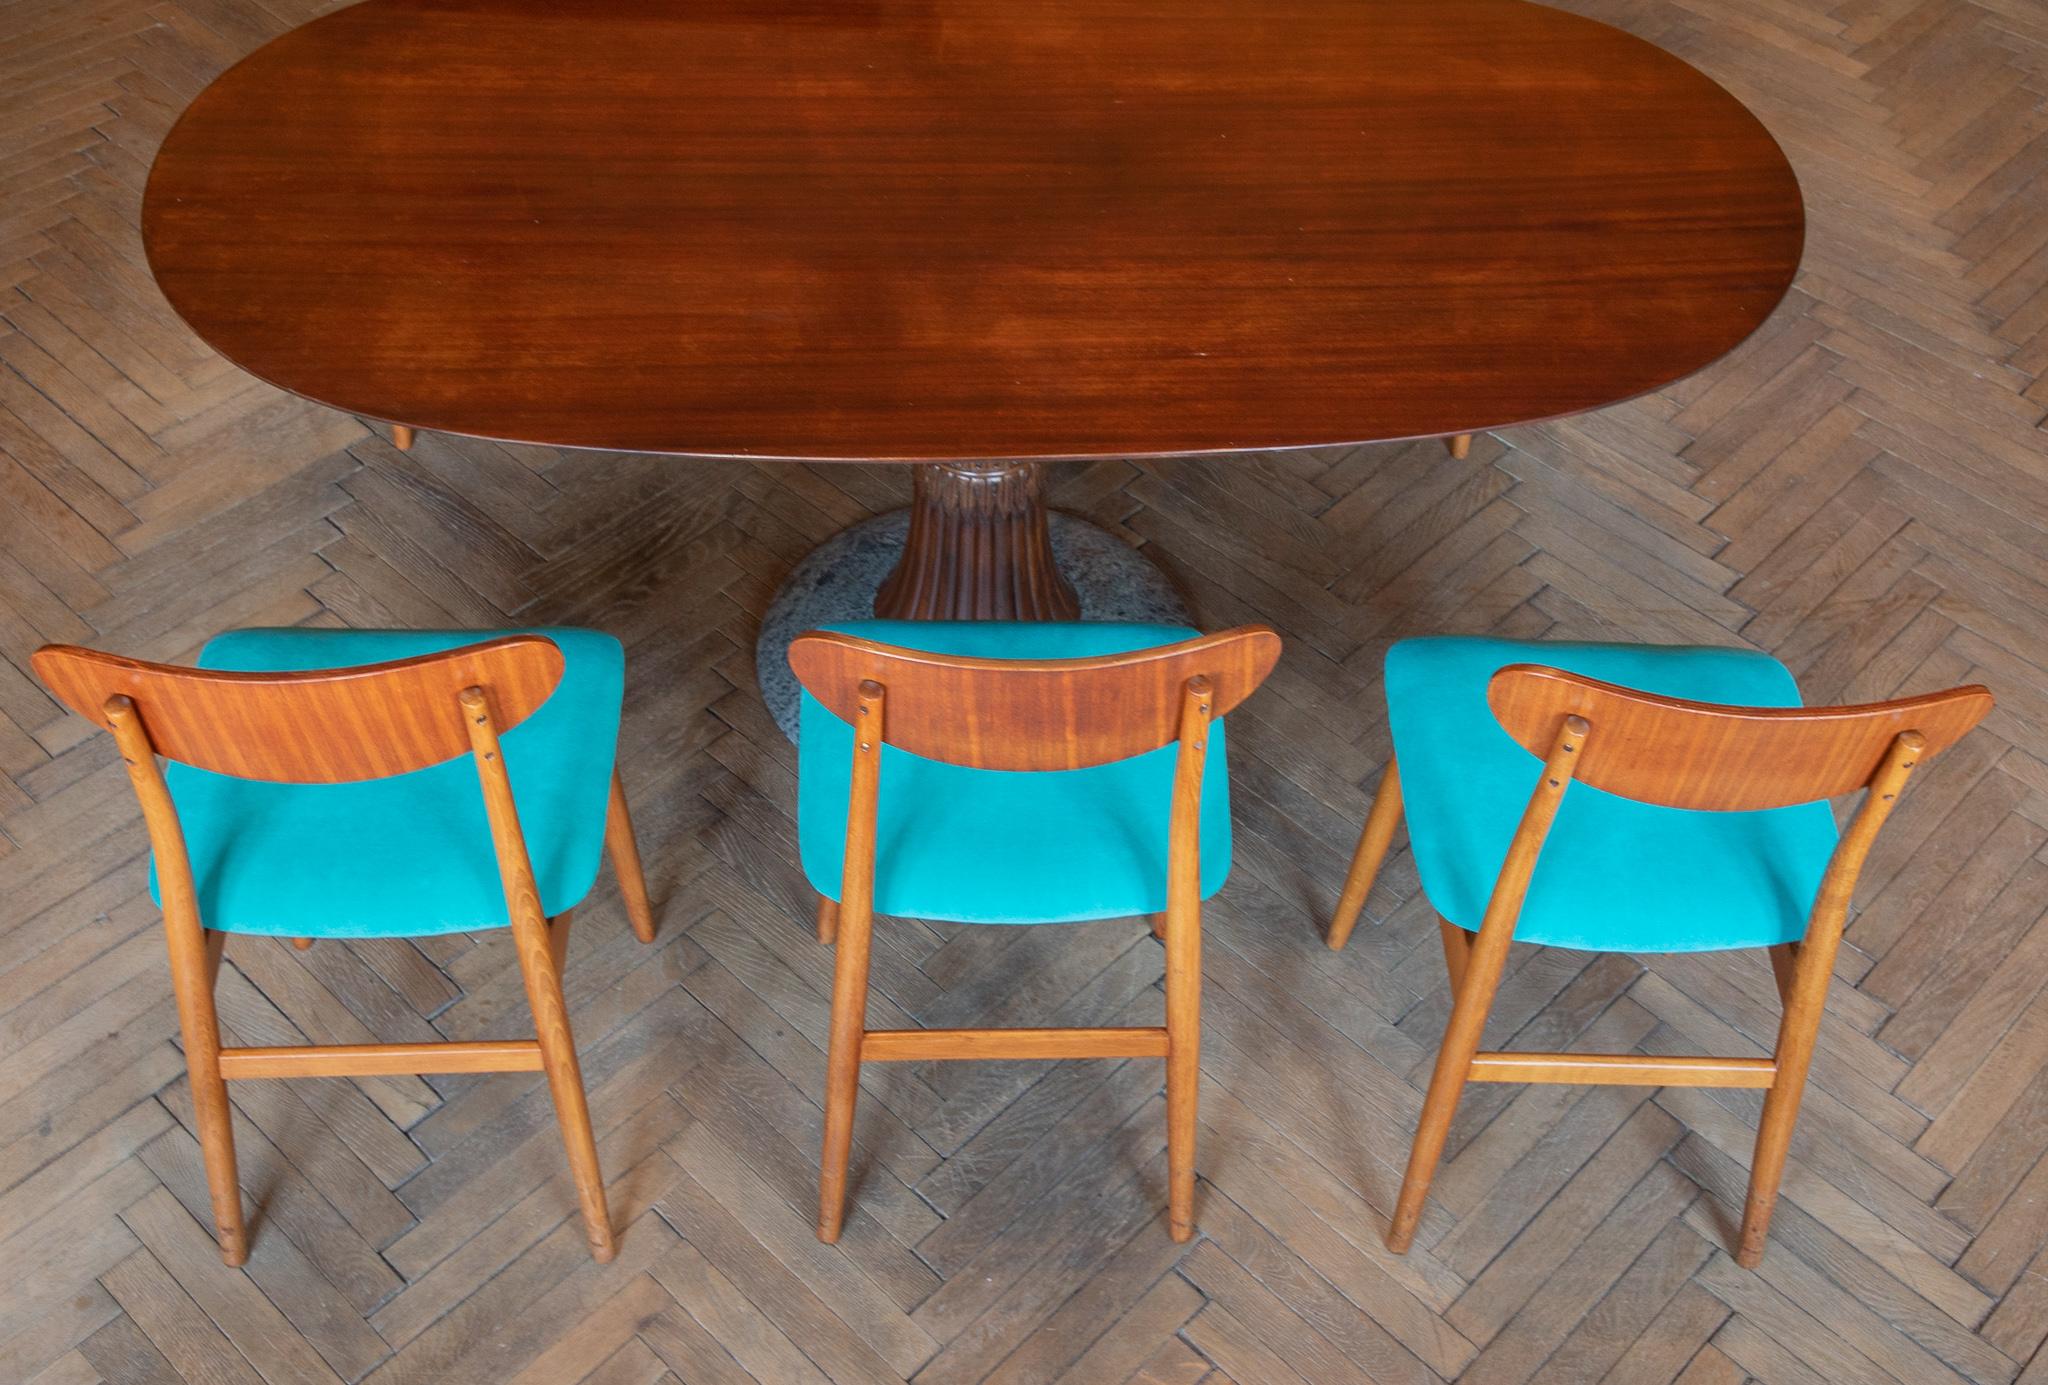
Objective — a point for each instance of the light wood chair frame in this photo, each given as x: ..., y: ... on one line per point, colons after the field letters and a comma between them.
x: 1676, y: 753
x: 83, y: 678
x: 1025, y: 715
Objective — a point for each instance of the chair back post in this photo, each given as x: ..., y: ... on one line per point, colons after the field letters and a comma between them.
x: 159, y: 816
x: 1184, y: 951
x: 1183, y: 854
x: 857, y: 871
x: 1511, y: 887
x: 853, y: 931
x: 194, y: 965
x: 1805, y: 998
x: 508, y: 842
x: 1845, y: 867
x: 536, y: 946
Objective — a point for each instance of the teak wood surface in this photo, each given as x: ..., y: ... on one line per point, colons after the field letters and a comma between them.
x: 320, y: 726
x: 1017, y: 714
x: 935, y: 229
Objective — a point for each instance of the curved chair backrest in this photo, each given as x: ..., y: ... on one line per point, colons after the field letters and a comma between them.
x: 1048, y: 714
x: 1682, y: 754
x: 319, y: 726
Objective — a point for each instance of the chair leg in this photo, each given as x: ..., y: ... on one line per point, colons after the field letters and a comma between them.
x: 842, y: 1066
x: 1159, y: 927
x: 565, y: 1082
x: 1805, y: 997
x: 828, y: 920
x: 1183, y: 1065
x: 558, y: 938
x: 1457, y: 950
x: 195, y: 957
x: 302, y: 944
x: 1459, y: 445
x: 625, y: 854
x: 216, y: 944
x: 1784, y: 969
x: 1482, y: 965
x: 1380, y: 822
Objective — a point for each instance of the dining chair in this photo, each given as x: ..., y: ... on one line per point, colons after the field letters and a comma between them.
x: 1697, y: 821
x: 373, y: 784
x: 1016, y: 773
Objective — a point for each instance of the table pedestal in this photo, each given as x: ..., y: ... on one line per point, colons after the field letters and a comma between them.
x: 977, y: 544
x: 979, y: 548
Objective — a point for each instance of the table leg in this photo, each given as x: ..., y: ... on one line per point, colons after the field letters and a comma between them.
x: 978, y: 549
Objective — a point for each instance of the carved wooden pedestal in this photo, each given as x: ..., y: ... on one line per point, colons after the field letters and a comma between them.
x: 978, y: 549
x: 977, y: 544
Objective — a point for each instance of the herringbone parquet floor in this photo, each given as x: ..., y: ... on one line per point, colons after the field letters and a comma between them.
x: 1862, y: 489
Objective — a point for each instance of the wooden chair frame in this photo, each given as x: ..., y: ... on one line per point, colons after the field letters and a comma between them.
x: 1677, y: 753
x: 212, y: 712
x: 1051, y: 714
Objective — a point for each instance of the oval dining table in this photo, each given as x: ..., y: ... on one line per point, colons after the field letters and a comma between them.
x: 969, y: 236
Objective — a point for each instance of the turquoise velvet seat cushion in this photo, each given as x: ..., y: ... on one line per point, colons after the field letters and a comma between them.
x: 409, y: 855
x: 1615, y: 875
x: 1003, y: 846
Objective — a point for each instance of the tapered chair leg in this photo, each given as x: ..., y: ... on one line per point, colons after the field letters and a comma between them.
x: 842, y: 1066
x: 1785, y: 969
x: 1380, y: 823
x: 625, y: 854
x: 1483, y: 964
x: 558, y: 938
x: 1183, y: 1066
x: 828, y: 920
x: 194, y: 962
x: 565, y: 1085
x: 1767, y: 1168
x: 1159, y: 927
x: 1457, y: 950
x: 1803, y: 978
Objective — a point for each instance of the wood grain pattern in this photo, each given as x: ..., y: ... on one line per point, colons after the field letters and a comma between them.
x: 1033, y: 714
x: 1480, y: 977
x: 918, y: 231
x: 853, y: 928
x: 917, y: 1045
x: 979, y: 547
x: 1053, y: 714
x: 269, y: 725
x: 195, y: 961
x: 1685, y: 755
x: 1698, y: 755
x: 540, y: 968
x: 1670, y: 1071
x: 323, y: 726
x: 1855, y: 490
x: 371, y: 1060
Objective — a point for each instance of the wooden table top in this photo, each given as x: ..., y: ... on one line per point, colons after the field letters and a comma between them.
x: 928, y: 229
